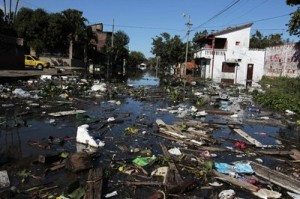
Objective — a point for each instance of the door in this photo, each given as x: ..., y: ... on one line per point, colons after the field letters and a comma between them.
x: 249, y: 75
x: 29, y: 61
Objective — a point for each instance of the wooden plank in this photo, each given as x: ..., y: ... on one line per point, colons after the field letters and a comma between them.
x: 276, y: 177
x: 295, y: 154
x: 236, y: 182
x: 64, y: 113
x: 248, y: 137
x: 263, y: 122
x: 219, y: 112
x: 273, y: 152
x: 93, y: 188
x: 173, y: 177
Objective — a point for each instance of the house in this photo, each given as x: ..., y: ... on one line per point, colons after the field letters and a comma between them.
x: 101, y: 37
x: 282, y: 61
x: 225, y: 57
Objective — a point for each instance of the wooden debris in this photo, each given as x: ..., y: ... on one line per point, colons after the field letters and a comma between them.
x: 129, y: 183
x: 56, y: 167
x: 276, y: 177
x: 176, y: 178
x: 263, y: 122
x: 192, y: 137
x: 64, y: 113
x: 295, y: 154
x: 123, y: 148
x: 219, y: 112
x: 173, y: 181
x: 93, y: 188
x: 248, y: 137
x: 236, y: 182
x: 274, y: 152
x: 79, y: 161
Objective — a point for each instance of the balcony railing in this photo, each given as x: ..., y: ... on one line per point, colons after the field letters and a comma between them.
x: 207, y: 53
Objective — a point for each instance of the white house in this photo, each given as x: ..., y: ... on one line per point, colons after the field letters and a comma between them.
x: 224, y: 56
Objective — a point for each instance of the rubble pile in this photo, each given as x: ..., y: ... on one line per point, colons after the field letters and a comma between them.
x: 67, y: 137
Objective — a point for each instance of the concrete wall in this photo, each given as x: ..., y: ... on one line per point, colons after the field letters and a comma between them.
x: 255, y: 57
x: 11, y: 53
x: 282, y: 61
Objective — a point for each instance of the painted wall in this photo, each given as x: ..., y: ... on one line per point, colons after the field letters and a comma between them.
x: 282, y: 61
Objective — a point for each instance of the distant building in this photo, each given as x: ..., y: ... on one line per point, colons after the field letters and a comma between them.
x: 282, y: 61
x: 11, y: 53
x: 101, y: 36
x: 224, y: 56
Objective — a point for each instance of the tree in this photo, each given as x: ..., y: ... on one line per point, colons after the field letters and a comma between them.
x: 294, y: 23
x: 118, y: 51
x: 32, y: 26
x: 258, y: 40
x: 57, y: 34
x: 195, y: 39
x: 6, y: 28
x: 75, y: 24
x: 135, y: 58
x: 171, y: 50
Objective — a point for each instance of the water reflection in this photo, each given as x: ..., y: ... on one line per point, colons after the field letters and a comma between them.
x: 146, y: 80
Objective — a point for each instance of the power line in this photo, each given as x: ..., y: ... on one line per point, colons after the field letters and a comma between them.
x: 218, y: 14
x: 144, y: 27
x: 253, y: 8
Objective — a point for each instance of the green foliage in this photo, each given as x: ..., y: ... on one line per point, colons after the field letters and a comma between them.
x: 258, y: 40
x: 6, y: 28
x: 75, y: 24
x: 135, y: 58
x: 171, y: 50
x: 294, y: 23
x: 196, y: 37
x: 119, y: 50
x: 57, y: 33
x: 200, y: 101
x: 41, y: 30
x: 281, y: 94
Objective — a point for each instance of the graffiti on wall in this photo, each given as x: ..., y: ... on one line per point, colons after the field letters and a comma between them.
x: 282, y: 61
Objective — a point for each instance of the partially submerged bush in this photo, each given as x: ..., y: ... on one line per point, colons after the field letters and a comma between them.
x: 281, y: 94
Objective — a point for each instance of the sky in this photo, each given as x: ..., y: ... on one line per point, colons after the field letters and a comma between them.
x: 144, y: 20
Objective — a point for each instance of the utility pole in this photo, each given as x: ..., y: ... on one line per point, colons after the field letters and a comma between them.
x: 16, y: 8
x: 9, y: 15
x: 4, y: 7
x: 110, y: 58
x: 112, y: 37
x: 188, y: 26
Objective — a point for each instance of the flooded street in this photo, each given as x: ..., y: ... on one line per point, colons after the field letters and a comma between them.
x: 124, y: 117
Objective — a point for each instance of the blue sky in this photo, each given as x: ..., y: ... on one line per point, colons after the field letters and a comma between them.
x: 143, y: 20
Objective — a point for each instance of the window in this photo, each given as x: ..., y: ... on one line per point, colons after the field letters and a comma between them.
x: 228, y: 67
x: 227, y: 81
x: 237, y: 43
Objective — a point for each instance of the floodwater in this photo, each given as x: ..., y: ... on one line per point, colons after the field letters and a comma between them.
x: 27, y: 123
